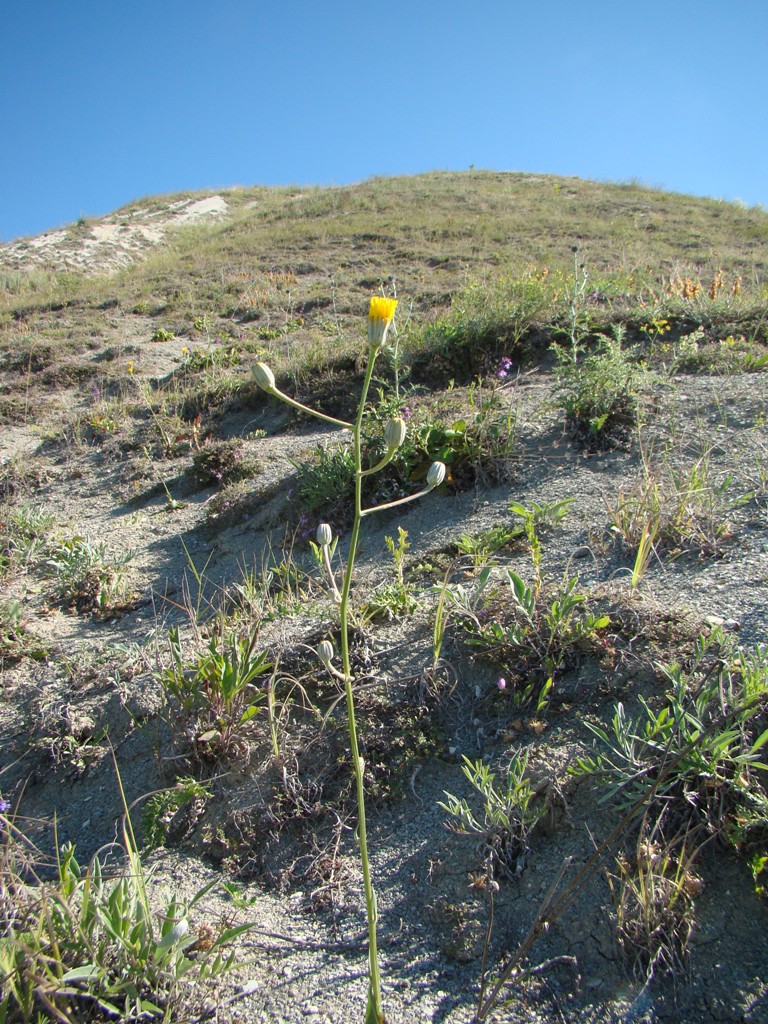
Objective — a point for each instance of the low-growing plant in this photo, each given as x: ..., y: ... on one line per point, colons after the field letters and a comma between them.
x: 211, y: 358
x: 107, y: 416
x: 24, y: 535
x: 676, y: 509
x: 480, y: 447
x: 758, y: 866
x: 545, y: 516
x: 89, y: 945
x: 488, y: 316
x: 219, y: 463
x: 216, y: 693
x: 393, y: 599
x: 704, y: 745
x: 598, y: 391
x: 481, y: 548
x: 325, y: 482
x: 275, y: 588
x: 529, y: 630
x: 160, y: 808
x: 16, y: 642
x: 234, y: 503
x: 71, y: 753
x: 509, y: 815
x: 654, y: 904
x: 87, y: 578
x: 173, y: 430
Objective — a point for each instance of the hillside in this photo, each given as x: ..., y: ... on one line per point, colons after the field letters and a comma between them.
x: 579, y: 608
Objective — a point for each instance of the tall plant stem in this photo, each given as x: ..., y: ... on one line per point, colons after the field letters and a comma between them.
x: 374, y: 1014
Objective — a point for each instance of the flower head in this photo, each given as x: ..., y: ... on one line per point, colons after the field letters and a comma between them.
x: 263, y: 376
x: 324, y: 535
x: 501, y: 683
x: 380, y: 315
x: 504, y: 368
x: 325, y: 652
x: 394, y: 433
x: 436, y: 474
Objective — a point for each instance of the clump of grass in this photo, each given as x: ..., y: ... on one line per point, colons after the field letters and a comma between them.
x: 654, y: 904
x: 671, y: 510
x: 486, y: 318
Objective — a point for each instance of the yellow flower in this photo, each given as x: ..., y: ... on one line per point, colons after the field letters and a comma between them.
x: 380, y: 315
x: 130, y: 367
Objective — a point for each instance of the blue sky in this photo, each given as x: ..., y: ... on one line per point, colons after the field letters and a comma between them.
x: 104, y: 101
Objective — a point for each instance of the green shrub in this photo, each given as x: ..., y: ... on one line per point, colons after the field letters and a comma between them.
x: 598, y: 391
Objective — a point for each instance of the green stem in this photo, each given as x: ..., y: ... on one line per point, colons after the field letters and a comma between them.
x: 329, y: 570
x: 380, y: 464
x: 375, y: 1012
x: 394, y: 504
x: 312, y: 412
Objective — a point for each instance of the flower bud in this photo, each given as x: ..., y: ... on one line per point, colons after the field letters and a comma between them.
x: 436, y: 474
x: 324, y: 535
x: 394, y: 433
x: 325, y: 652
x: 263, y: 376
x: 380, y: 316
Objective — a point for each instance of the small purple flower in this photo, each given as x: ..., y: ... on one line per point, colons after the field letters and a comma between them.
x: 406, y: 412
x: 4, y: 806
x: 96, y: 392
x: 504, y: 368
x: 501, y: 683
